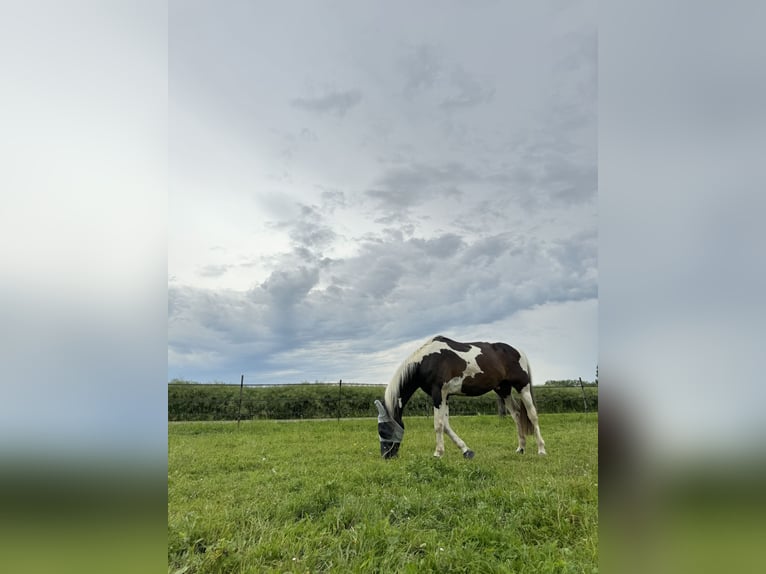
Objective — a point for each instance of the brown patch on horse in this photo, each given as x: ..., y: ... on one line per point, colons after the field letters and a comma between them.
x: 437, y: 368
x: 511, y: 360
x: 492, y: 371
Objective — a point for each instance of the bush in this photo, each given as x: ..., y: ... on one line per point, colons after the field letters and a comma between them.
x: 200, y: 402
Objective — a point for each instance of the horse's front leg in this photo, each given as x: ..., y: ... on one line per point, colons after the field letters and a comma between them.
x: 467, y: 452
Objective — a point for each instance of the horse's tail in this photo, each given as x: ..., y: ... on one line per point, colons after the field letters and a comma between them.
x: 502, y: 406
x: 526, y: 425
x: 501, y: 410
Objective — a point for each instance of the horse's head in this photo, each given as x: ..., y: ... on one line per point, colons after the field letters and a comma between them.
x: 389, y: 431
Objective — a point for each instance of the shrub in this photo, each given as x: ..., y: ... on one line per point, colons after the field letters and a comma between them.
x: 188, y: 401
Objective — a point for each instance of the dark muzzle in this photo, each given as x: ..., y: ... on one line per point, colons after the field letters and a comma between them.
x: 389, y: 431
x: 389, y: 449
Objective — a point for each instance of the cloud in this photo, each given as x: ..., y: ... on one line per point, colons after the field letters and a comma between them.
x: 333, y: 199
x: 286, y: 287
x: 401, y: 187
x: 389, y: 292
x: 569, y: 182
x: 440, y: 247
x: 547, y: 173
x: 466, y: 91
x: 333, y: 103
x: 214, y: 270
x: 308, y: 229
x: 421, y: 67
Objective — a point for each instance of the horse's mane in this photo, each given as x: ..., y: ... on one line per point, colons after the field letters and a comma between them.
x: 402, y: 376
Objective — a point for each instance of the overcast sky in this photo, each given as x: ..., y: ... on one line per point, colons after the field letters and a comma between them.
x: 348, y: 179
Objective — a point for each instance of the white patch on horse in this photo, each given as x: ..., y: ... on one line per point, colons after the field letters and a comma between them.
x: 523, y: 362
x: 455, y: 385
x: 428, y: 348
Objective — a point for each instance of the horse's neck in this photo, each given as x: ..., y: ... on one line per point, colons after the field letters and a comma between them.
x: 407, y: 392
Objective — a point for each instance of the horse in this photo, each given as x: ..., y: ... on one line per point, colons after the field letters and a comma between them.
x: 442, y: 367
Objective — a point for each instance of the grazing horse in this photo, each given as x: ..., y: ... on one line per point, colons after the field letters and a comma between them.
x: 443, y: 367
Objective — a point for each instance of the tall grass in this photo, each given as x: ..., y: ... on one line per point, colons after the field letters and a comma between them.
x: 315, y: 496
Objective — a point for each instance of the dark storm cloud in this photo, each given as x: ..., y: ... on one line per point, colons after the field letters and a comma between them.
x: 334, y: 103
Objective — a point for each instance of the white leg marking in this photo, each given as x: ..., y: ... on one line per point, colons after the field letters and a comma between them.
x: 439, y: 428
x: 512, y: 408
x: 453, y: 435
x: 445, y: 415
x: 526, y: 396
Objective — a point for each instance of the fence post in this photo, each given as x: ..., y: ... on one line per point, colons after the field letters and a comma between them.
x: 340, y: 383
x: 241, y: 385
x: 584, y: 402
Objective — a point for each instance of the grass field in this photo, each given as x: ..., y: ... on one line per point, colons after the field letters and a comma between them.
x: 315, y: 496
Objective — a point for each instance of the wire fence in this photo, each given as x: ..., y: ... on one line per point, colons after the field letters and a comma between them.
x: 191, y: 401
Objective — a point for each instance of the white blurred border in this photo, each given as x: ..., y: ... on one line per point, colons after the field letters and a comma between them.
x: 682, y: 273
x: 82, y: 230
x: 682, y: 89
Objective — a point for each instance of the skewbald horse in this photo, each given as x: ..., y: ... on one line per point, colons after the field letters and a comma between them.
x: 442, y: 367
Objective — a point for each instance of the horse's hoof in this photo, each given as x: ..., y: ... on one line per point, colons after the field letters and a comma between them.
x: 468, y: 454
x: 542, y: 453
x: 520, y: 451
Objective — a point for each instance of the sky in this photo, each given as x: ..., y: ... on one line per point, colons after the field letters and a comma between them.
x: 345, y: 184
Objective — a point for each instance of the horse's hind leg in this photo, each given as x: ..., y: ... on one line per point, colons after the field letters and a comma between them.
x: 526, y: 396
x: 439, y: 429
x: 511, y: 407
x: 522, y: 437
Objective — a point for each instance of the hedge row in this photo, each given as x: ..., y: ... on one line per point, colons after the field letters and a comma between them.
x: 190, y: 402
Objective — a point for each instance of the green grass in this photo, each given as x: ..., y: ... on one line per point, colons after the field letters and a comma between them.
x: 315, y: 496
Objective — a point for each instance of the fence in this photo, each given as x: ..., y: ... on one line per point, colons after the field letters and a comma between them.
x: 191, y: 401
